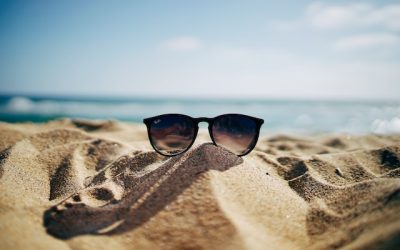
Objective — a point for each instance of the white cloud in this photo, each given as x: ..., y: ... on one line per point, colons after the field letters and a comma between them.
x: 182, y: 44
x: 326, y: 16
x: 321, y: 15
x: 365, y: 41
x: 371, y: 26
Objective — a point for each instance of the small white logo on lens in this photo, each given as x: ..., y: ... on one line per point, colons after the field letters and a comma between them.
x: 157, y: 121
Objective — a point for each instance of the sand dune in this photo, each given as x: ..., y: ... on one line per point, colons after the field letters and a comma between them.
x: 76, y: 184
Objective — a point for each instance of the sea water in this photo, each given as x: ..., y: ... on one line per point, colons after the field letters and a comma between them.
x: 281, y: 116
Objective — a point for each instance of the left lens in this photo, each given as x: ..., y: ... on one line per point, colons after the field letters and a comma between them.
x: 172, y: 134
x: 237, y: 133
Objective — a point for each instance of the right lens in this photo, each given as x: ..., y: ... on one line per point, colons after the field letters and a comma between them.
x: 235, y: 132
x: 172, y: 134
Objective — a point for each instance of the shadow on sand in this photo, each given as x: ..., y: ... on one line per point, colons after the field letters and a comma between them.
x: 146, y: 189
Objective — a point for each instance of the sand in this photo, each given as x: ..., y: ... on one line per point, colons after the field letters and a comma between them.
x: 75, y: 184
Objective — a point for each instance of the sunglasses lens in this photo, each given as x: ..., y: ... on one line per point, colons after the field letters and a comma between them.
x: 236, y: 133
x: 172, y: 134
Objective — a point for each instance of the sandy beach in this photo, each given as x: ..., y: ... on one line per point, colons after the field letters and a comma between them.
x: 76, y: 184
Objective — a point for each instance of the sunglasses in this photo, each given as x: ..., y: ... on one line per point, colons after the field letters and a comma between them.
x: 174, y: 134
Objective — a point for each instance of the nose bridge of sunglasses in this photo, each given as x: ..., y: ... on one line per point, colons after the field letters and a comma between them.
x: 203, y: 119
x: 203, y: 135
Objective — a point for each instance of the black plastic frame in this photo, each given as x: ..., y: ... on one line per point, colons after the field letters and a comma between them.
x: 196, y: 122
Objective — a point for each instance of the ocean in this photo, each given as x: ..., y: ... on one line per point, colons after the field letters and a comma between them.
x: 281, y: 116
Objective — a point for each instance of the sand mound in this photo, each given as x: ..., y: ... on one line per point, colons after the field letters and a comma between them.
x: 97, y: 184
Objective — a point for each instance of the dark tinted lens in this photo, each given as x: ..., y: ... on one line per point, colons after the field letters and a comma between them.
x: 172, y: 134
x: 236, y: 133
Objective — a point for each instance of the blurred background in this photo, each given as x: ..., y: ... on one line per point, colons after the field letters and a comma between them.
x: 303, y: 66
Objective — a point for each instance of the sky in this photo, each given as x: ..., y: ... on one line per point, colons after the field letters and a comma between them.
x: 229, y: 49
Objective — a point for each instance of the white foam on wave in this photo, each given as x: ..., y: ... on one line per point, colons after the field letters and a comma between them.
x: 20, y: 104
x: 23, y: 105
x: 386, y: 126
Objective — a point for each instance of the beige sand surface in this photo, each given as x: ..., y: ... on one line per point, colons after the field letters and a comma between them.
x: 98, y: 185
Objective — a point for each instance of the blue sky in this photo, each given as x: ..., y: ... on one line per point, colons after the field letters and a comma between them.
x: 263, y: 49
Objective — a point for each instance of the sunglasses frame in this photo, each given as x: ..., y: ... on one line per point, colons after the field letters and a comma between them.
x: 196, y: 121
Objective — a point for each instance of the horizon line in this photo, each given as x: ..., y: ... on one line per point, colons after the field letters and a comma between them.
x: 119, y: 97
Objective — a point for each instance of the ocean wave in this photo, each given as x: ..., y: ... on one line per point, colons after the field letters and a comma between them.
x: 25, y: 105
x: 279, y: 116
x: 20, y: 104
x: 386, y: 126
